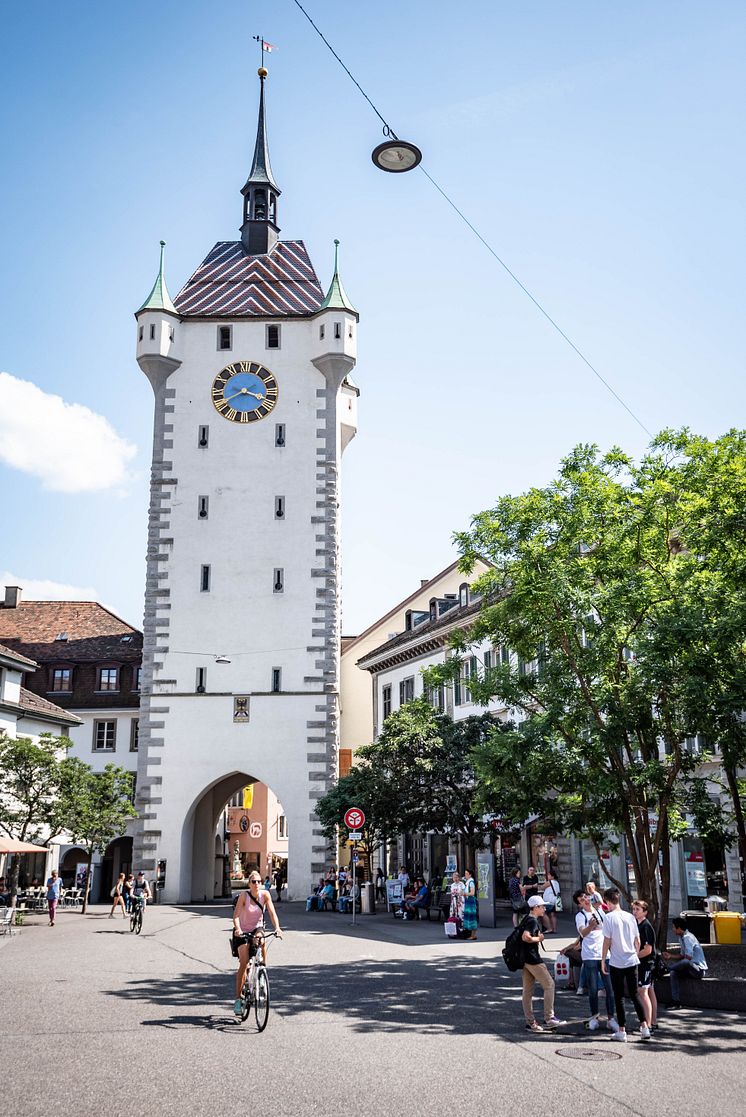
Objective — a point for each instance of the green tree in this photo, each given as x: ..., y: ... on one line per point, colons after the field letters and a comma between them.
x: 614, y: 592
x: 95, y: 807
x: 30, y: 776
x: 361, y: 787
x: 425, y: 761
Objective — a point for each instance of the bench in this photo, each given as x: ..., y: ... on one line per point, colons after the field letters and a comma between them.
x: 723, y: 986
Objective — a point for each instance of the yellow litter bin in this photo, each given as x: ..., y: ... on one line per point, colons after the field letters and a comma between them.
x: 727, y: 926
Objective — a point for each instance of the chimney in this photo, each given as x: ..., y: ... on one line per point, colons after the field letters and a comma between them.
x: 423, y: 582
x: 12, y: 597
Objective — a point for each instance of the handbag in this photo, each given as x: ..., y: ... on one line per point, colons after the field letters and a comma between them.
x: 451, y: 928
x: 558, y: 903
x: 561, y: 968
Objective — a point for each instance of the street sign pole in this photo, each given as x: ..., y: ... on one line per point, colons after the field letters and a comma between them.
x: 354, y: 874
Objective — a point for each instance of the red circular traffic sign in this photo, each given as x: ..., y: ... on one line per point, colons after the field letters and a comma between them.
x: 354, y: 818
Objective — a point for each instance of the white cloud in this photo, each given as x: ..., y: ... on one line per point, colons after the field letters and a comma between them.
x: 68, y: 446
x: 43, y: 589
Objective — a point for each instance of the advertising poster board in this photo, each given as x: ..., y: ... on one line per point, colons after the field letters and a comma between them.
x: 451, y: 864
x: 394, y: 893
x: 486, y: 888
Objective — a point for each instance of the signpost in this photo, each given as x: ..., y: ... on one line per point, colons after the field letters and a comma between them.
x: 354, y: 819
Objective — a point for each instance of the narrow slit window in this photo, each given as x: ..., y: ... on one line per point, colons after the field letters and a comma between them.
x: 276, y: 680
x: 278, y: 582
x: 152, y: 333
x: 203, y: 504
x: 322, y: 331
x: 337, y: 329
x: 204, y: 583
x: 201, y: 680
x: 225, y: 337
x: 279, y: 507
x: 349, y: 330
x: 279, y: 434
x: 203, y: 437
x: 272, y: 337
x: 140, y: 333
x: 171, y: 333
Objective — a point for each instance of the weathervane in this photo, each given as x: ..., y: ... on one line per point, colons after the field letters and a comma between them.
x: 266, y: 48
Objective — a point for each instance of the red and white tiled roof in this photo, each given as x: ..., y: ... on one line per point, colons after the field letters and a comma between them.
x: 229, y: 283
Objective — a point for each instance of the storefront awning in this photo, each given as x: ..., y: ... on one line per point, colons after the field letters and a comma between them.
x: 10, y: 845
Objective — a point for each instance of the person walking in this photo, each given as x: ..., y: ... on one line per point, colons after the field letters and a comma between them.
x: 589, y: 922
x: 54, y: 887
x: 535, y: 971
x: 550, y: 897
x: 646, y: 969
x: 622, y: 942
x: 127, y: 887
x: 516, y: 896
x: 691, y: 964
x: 117, y: 895
x: 380, y: 889
x: 470, y: 904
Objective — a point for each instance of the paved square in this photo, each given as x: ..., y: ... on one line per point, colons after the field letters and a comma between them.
x: 381, y: 1018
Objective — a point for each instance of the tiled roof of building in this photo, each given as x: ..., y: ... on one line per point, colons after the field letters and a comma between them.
x: 21, y: 660
x: 229, y: 283
x: 35, y: 706
x: 433, y: 630
x: 93, y: 634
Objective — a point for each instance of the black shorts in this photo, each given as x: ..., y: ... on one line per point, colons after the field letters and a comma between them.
x: 253, y: 938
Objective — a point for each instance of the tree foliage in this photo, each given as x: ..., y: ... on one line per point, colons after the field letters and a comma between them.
x: 625, y: 607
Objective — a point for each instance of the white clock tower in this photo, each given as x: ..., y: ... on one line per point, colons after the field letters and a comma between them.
x: 250, y: 366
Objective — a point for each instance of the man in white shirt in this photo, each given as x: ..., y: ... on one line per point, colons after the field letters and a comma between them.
x: 622, y: 942
x: 589, y: 923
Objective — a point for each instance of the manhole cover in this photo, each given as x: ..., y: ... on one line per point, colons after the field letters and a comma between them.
x: 587, y: 1053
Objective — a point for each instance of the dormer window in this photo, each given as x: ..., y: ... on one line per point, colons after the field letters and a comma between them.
x: 61, y: 636
x: 62, y: 680
x: 108, y: 679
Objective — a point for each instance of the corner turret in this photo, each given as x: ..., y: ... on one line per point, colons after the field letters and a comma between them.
x: 337, y: 322
x: 157, y: 330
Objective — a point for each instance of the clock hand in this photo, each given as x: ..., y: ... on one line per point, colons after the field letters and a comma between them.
x: 240, y: 392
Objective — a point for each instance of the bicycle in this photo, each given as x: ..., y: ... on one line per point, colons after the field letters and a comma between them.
x: 255, y: 991
x: 138, y: 903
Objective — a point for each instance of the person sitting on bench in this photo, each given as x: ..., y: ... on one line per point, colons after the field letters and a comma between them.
x: 421, y: 899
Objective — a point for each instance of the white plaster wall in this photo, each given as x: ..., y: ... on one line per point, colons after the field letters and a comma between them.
x: 82, y: 738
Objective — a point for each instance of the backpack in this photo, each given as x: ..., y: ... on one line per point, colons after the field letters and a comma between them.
x: 512, y: 952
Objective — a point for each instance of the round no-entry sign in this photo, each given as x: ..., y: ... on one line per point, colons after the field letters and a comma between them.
x: 354, y: 818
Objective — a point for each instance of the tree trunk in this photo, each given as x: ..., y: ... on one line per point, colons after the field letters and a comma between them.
x: 14, y: 872
x: 87, y: 883
x: 661, y: 920
x: 730, y: 775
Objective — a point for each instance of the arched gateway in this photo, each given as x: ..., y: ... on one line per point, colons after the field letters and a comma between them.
x: 253, y: 408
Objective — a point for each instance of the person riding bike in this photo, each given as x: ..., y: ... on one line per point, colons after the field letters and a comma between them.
x: 248, y: 924
x: 141, y: 889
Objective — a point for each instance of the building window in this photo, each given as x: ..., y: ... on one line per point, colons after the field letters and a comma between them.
x: 322, y: 331
x: 201, y: 680
x: 386, y: 700
x: 345, y: 762
x: 406, y: 690
x: 134, y: 734
x: 152, y: 333
x: 204, y: 579
x: 140, y: 332
x: 436, y: 697
x: 137, y: 678
x: 463, y: 595
x: 279, y: 434
x: 278, y: 582
x: 282, y: 826
x: 203, y: 437
x: 225, y: 337
x: 62, y: 679
x: 488, y: 659
x: 171, y: 333
x: 462, y: 692
x: 202, y: 506
x: 276, y: 680
x: 104, y: 736
x: 338, y: 329
x: 108, y: 678
x: 279, y: 507
x: 272, y: 337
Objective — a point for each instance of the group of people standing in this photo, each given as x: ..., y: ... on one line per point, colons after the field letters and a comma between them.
x: 464, y: 903
x: 522, y: 890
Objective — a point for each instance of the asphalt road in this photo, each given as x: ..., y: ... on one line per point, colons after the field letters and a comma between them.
x: 382, y: 1018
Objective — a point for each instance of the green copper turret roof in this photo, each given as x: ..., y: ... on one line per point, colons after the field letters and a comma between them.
x: 159, y: 298
x: 336, y: 296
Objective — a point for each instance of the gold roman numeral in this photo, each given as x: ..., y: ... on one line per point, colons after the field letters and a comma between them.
x: 244, y: 416
x: 231, y: 413
x: 244, y: 366
x: 221, y: 405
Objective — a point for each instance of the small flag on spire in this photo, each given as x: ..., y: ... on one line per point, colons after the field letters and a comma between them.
x: 268, y: 47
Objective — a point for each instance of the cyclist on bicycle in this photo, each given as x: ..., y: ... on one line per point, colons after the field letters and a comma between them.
x: 248, y: 924
x: 141, y: 889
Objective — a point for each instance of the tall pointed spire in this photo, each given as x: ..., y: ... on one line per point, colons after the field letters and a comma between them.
x: 159, y: 298
x: 336, y: 296
x: 260, y: 231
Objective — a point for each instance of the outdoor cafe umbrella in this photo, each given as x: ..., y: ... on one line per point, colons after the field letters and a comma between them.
x: 10, y: 845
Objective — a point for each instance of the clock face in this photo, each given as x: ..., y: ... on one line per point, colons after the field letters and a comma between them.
x: 244, y: 392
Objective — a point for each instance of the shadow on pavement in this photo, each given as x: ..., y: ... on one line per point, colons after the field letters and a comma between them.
x: 459, y: 996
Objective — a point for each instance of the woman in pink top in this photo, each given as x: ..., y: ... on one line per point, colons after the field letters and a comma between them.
x: 248, y: 917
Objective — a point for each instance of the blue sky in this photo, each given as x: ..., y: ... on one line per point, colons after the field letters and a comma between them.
x: 598, y: 148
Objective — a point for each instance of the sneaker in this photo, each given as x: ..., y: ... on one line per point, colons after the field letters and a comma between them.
x: 593, y: 1024
x: 645, y: 1032
x: 620, y: 1036
x: 581, y: 991
x: 612, y: 1025
x: 675, y: 1006
x: 237, y: 1005
x: 534, y: 1027
x: 553, y: 1022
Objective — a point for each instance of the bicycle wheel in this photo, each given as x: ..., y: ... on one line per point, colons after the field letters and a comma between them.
x: 138, y: 921
x: 261, y: 999
x: 246, y: 994
x: 133, y: 921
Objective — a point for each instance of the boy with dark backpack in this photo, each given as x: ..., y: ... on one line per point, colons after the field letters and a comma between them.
x: 534, y: 970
